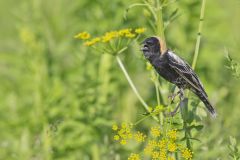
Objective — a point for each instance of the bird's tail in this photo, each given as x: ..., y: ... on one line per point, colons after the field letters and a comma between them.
x: 206, y: 102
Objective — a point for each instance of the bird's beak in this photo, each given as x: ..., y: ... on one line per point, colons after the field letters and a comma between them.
x: 144, y: 47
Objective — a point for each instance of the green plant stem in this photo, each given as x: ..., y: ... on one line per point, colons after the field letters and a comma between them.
x: 155, y: 80
x: 160, y: 32
x: 162, y: 100
x: 158, y: 97
x: 157, y: 93
x: 199, y: 34
x: 141, y: 120
x: 133, y: 86
x: 159, y: 20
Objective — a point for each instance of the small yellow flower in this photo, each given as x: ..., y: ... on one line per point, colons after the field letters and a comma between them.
x: 95, y: 40
x: 130, y: 35
x: 155, y: 131
x: 149, y: 67
x: 140, y: 30
x: 121, y: 132
x: 114, y: 34
x: 92, y: 42
x: 162, y: 144
x: 155, y: 155
x: 83, y: 35
x: 129, y: 135
x: 150, y: 109
x: 114, y: 127
x: 116, y: 137
x: 152, y: 143
x: 123, y: 32
x: 109, y: 36
x: 123, y: 142
x: 127, y: 130
x: 172, y: 134
x: 150, y: 147
x: 124, y: 136
x: 187, y: 153
x: 159, y: 108
x: 124, y: 125
x: 106, y: 38
x: 88, y: 43
x: 163, y: 155
x: 172, y: 147
x: 139, y: 137
x: 134, y: 156
x: 148, y: 150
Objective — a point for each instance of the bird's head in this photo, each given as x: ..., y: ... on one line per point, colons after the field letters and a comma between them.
x: 153, y: 46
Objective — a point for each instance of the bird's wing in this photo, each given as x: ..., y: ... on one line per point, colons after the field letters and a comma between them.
x: 185, y: 71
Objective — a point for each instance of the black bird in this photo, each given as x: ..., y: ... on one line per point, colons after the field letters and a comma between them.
x: 175, y: 70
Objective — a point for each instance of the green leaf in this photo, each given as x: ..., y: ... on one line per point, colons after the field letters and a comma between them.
x: 197, y: 127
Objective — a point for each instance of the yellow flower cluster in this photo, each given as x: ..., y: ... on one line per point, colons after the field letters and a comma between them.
x: 123, y: 133
x: 127, y: 33
x: 172, y: 134
x: 156, y: 149
x: 162, y: 145
x: 139, y: 137
x: 108, y: 36
x: 83, y: 35
x: 92, y: 42
x: 149, y: 67
x: 155, y: 131
x: 134, y: 156
x: 114, y: 127
x: 186, y: 153
x: 157, y: 110
x: 140, y: 30
x: 172, y: 147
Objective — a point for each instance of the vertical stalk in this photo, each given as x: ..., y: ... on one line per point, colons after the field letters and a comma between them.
x: 157, y: 93
x: 199, y: 34
x: 159, y: 21
x: 155, y: 79
x: 160, y: 33
x: 158, y: 97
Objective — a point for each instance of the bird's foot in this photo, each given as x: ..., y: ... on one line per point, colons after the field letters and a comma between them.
x: 172, y: 96
x: 174, y: 112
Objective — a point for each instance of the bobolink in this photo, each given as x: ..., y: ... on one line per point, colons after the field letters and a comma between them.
x: 174, y: 69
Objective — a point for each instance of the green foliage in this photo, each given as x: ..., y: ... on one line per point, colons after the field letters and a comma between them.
x: 59, y: 98
x: 234, y: 152
x: 233, y: 66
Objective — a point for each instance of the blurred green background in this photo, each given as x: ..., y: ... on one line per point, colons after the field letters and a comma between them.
x: 58, y: 99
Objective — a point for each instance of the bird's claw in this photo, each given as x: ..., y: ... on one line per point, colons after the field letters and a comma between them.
x: 173, y: 113
x: 171, y: 97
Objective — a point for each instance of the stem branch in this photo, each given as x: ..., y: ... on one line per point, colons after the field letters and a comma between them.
x: 199, y: 34
x: 133, y: 86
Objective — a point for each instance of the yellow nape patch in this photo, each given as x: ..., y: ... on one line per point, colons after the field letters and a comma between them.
x: 163, y: 47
